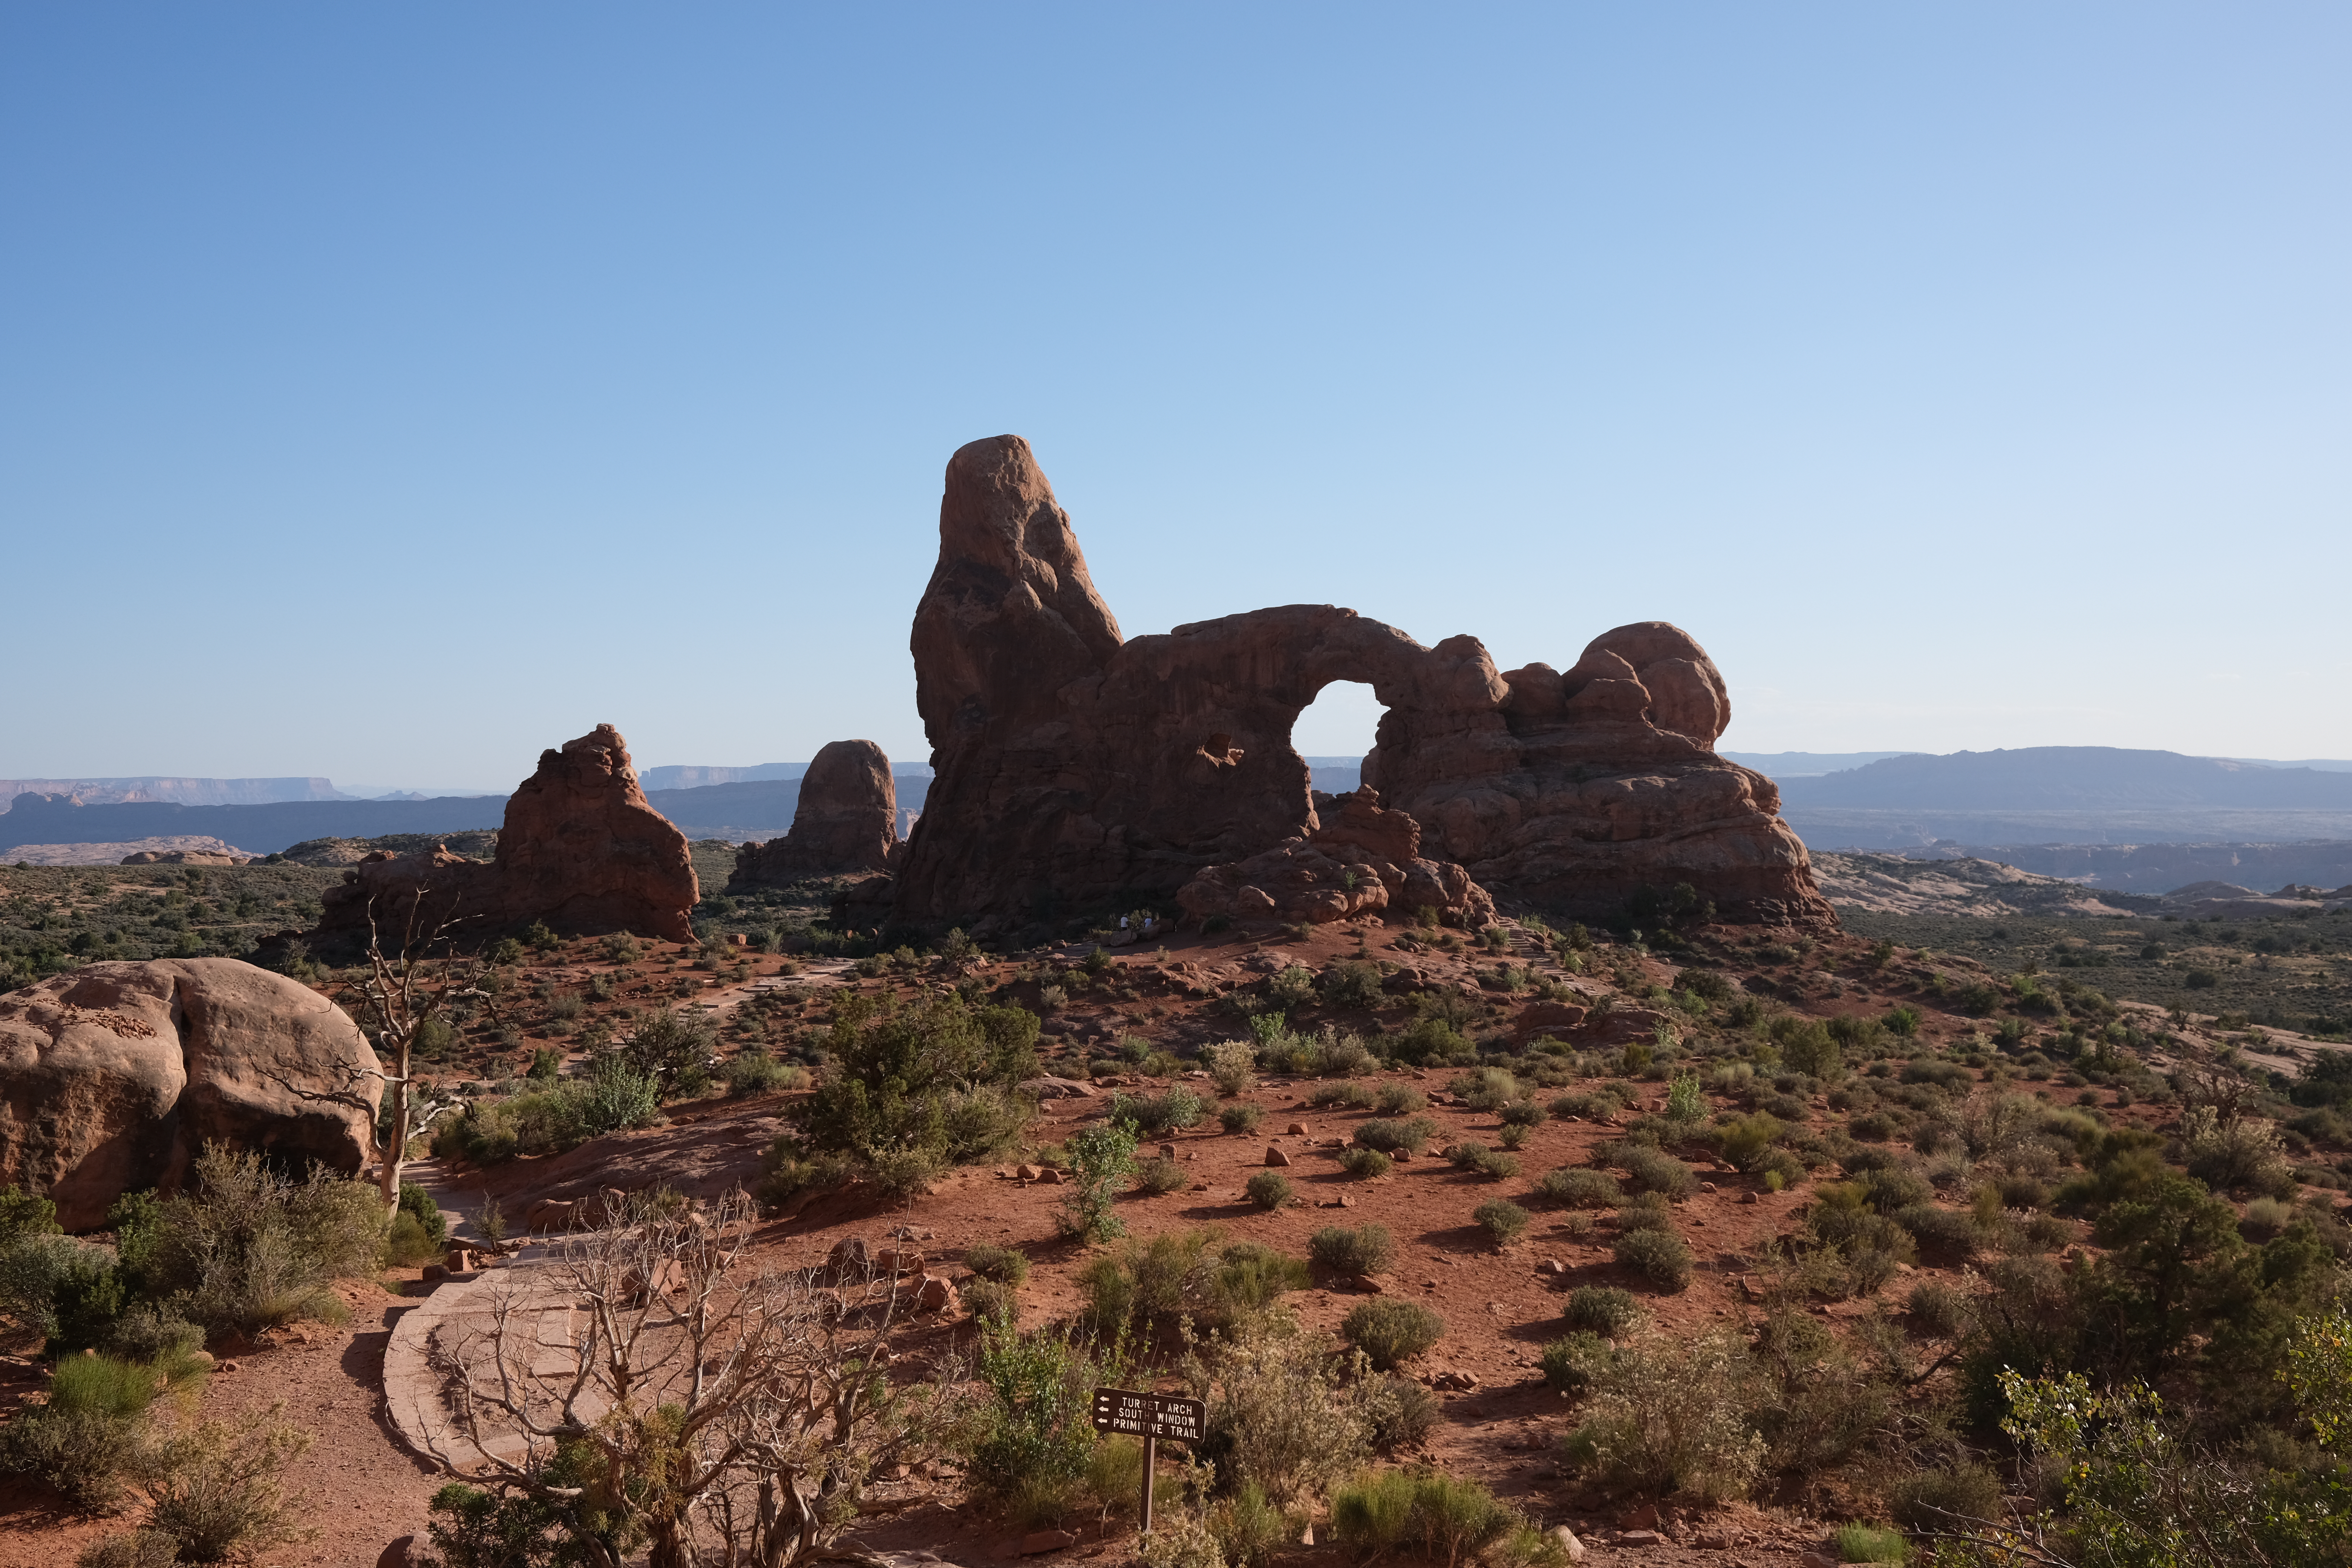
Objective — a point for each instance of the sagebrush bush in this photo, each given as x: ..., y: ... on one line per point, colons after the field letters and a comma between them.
x: 1160, y: 1175
x: 1568, y: 1363
x: 247, y: 1249
x: 1364, y: 1164
x: 1399, y: 1411
x: 1389, y: 1134
x: 1399, y: 1100
x: 1501, y: 1219
x: 215, y: 1489
x: 1004, y: 1265
x: 1269, y: 1189
x: 1601, y: 1309
x: 140, y: 1549
x: 1233, y: 1067
x: 1027, y: 1437
x: 1241, y: 1118
x: 1937, y: 1309
x: 1425, y: 1513
x: 1579, y: 1187
x: 1278, y: 1418
x: 1669, y: 1417
x: 1654, y: 1171
x: 1155, y: 1115
x: 1359, y: 1251
x: 1947, y: 1498
x: 1658, y: 1256
x: 1391, y: 1332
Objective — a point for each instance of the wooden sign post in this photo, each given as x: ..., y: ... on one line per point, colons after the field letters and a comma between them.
x: 1150, y: 1416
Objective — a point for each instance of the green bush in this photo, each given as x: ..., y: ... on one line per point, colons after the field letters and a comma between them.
x: 1422, y: 1514
x: 1653, y: 1170
x: 1028, y: 1437
x: 754, y: 1071
x: 1522, y: 1113
x: 935, y: 1074
x: 1399, y: 1100
x: 1391, y: 1332
x: 1398, y: 1411
x: 1364, y: 1164
x: 83, y: 1455
x: 248, y: 1249
x: 1241, y: 1117
x: 1156, y: 1115
x: 1658, y: 1256
x: 102, y: 1385
x: 1159, y: 1176
x: 1269, y: 1189
x: 1004, y: 1265
x: 1250, y: 1275
x: 1358, y: 1252
x: 1503, y: 1220
x: 1389, y: 1135
x: 408, y: 1245
x: 1233, y: 1067
x: 416, y: 1201
x: 1670, y: 1416
x: 1352, y: 983
x: 1568, y: 1363
x: 1101, y: 1159
x: 1601, y: 1309
x: 140, y: 1549
x: 1948, y: 1499
x: 1578, y: 1187
x: 1473, y: 1156
x: 1868, y: 1544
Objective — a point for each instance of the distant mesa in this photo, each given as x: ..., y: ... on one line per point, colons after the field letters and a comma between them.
x: 845, y: 823
x: 128, y: 853
x: 580, y: 849
x: 1076, y: 767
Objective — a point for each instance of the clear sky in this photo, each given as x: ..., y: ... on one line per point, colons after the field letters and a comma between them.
x: 389, y: 391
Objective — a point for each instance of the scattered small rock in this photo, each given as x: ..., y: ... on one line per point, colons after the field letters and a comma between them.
x: 1274, y: 1156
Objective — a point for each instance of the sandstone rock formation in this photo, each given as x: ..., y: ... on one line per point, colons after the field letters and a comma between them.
x: 846, y: 822
x: 113, y: 1077
x: 1360, y: 861
x: 580, y: 849
x: 1074, y: 767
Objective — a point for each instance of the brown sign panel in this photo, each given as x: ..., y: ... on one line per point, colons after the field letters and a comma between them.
x: 1150, y: 1415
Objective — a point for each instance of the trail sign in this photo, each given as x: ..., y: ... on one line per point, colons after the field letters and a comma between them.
x: 1150, y: 1416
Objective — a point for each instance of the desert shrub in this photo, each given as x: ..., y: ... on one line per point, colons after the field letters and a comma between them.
x: 1522, y: 1113
x: 1645, y: 1211
x: 1241, y: 1118
x: 214, y: 1490
x: 1399, y: 1100
x: 2235, y: 1155
x: 1391, y: 1332
x: 1422, y: 1513
x: 1476, y: 1157
x: 1601, y: 1309
x: 1004, y: 1265
x: 985, y: 1299
x: 83, y: 1455
x: 1356, y: 1251
x: 1348, y: 1093
x: 1269, y: 1189
x: 1869, y: 1543
x: 1945, y: 1499
x: 937, y: 1074
x: 754, y: 1071
x: 1233, y: 1067
x: 1502, y: 1219
x: 1291, y: 989
x: 1658, y: 1256
x: 249, y: 1249
x: 1744, y: 1141
x: 407, y: 1245
x: 1514, y: 1137
x: 1937, y: 1309
x: 1668, y: 1416
x: 1364, y: 1164
x: 1580, y: 1187
x: 1806, y: 1046
x: 1278, y: 1418
x: 1156, y: 1115
x: 2266, y: 1218
x: 1352, y: 983
x: 1251, y: 1274
x: 154, y: 1333
x: 1397, y: 1411
x: 1161, y: 1176
x: 1488, y: 1089
x: 140, y: 1549
x: 416, y: 1202
x: 1101, y: 1159
x: 1568, y: 1362
x: 788, y: 1171
x: 1027, y: 1437
x: 1430, y: 1041
x: 1944, y: 1232
x: 1654, y: 1171
x: 1389, y: 1135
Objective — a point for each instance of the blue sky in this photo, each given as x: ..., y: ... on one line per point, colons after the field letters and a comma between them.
x: 390, y: 392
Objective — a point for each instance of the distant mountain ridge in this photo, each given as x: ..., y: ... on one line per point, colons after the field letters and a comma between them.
x: 2071, y: 778
x: 185, y: 790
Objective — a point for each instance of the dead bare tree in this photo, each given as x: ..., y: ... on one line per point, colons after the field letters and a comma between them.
x: 394, y: 1001
x: 717, y: 1411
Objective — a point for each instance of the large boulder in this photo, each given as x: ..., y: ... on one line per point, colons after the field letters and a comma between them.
x: 845, y: 824
x: 113, y: 1078
x: 582, y: 849
x: 1075, y: 767
x: 1360, y: 860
